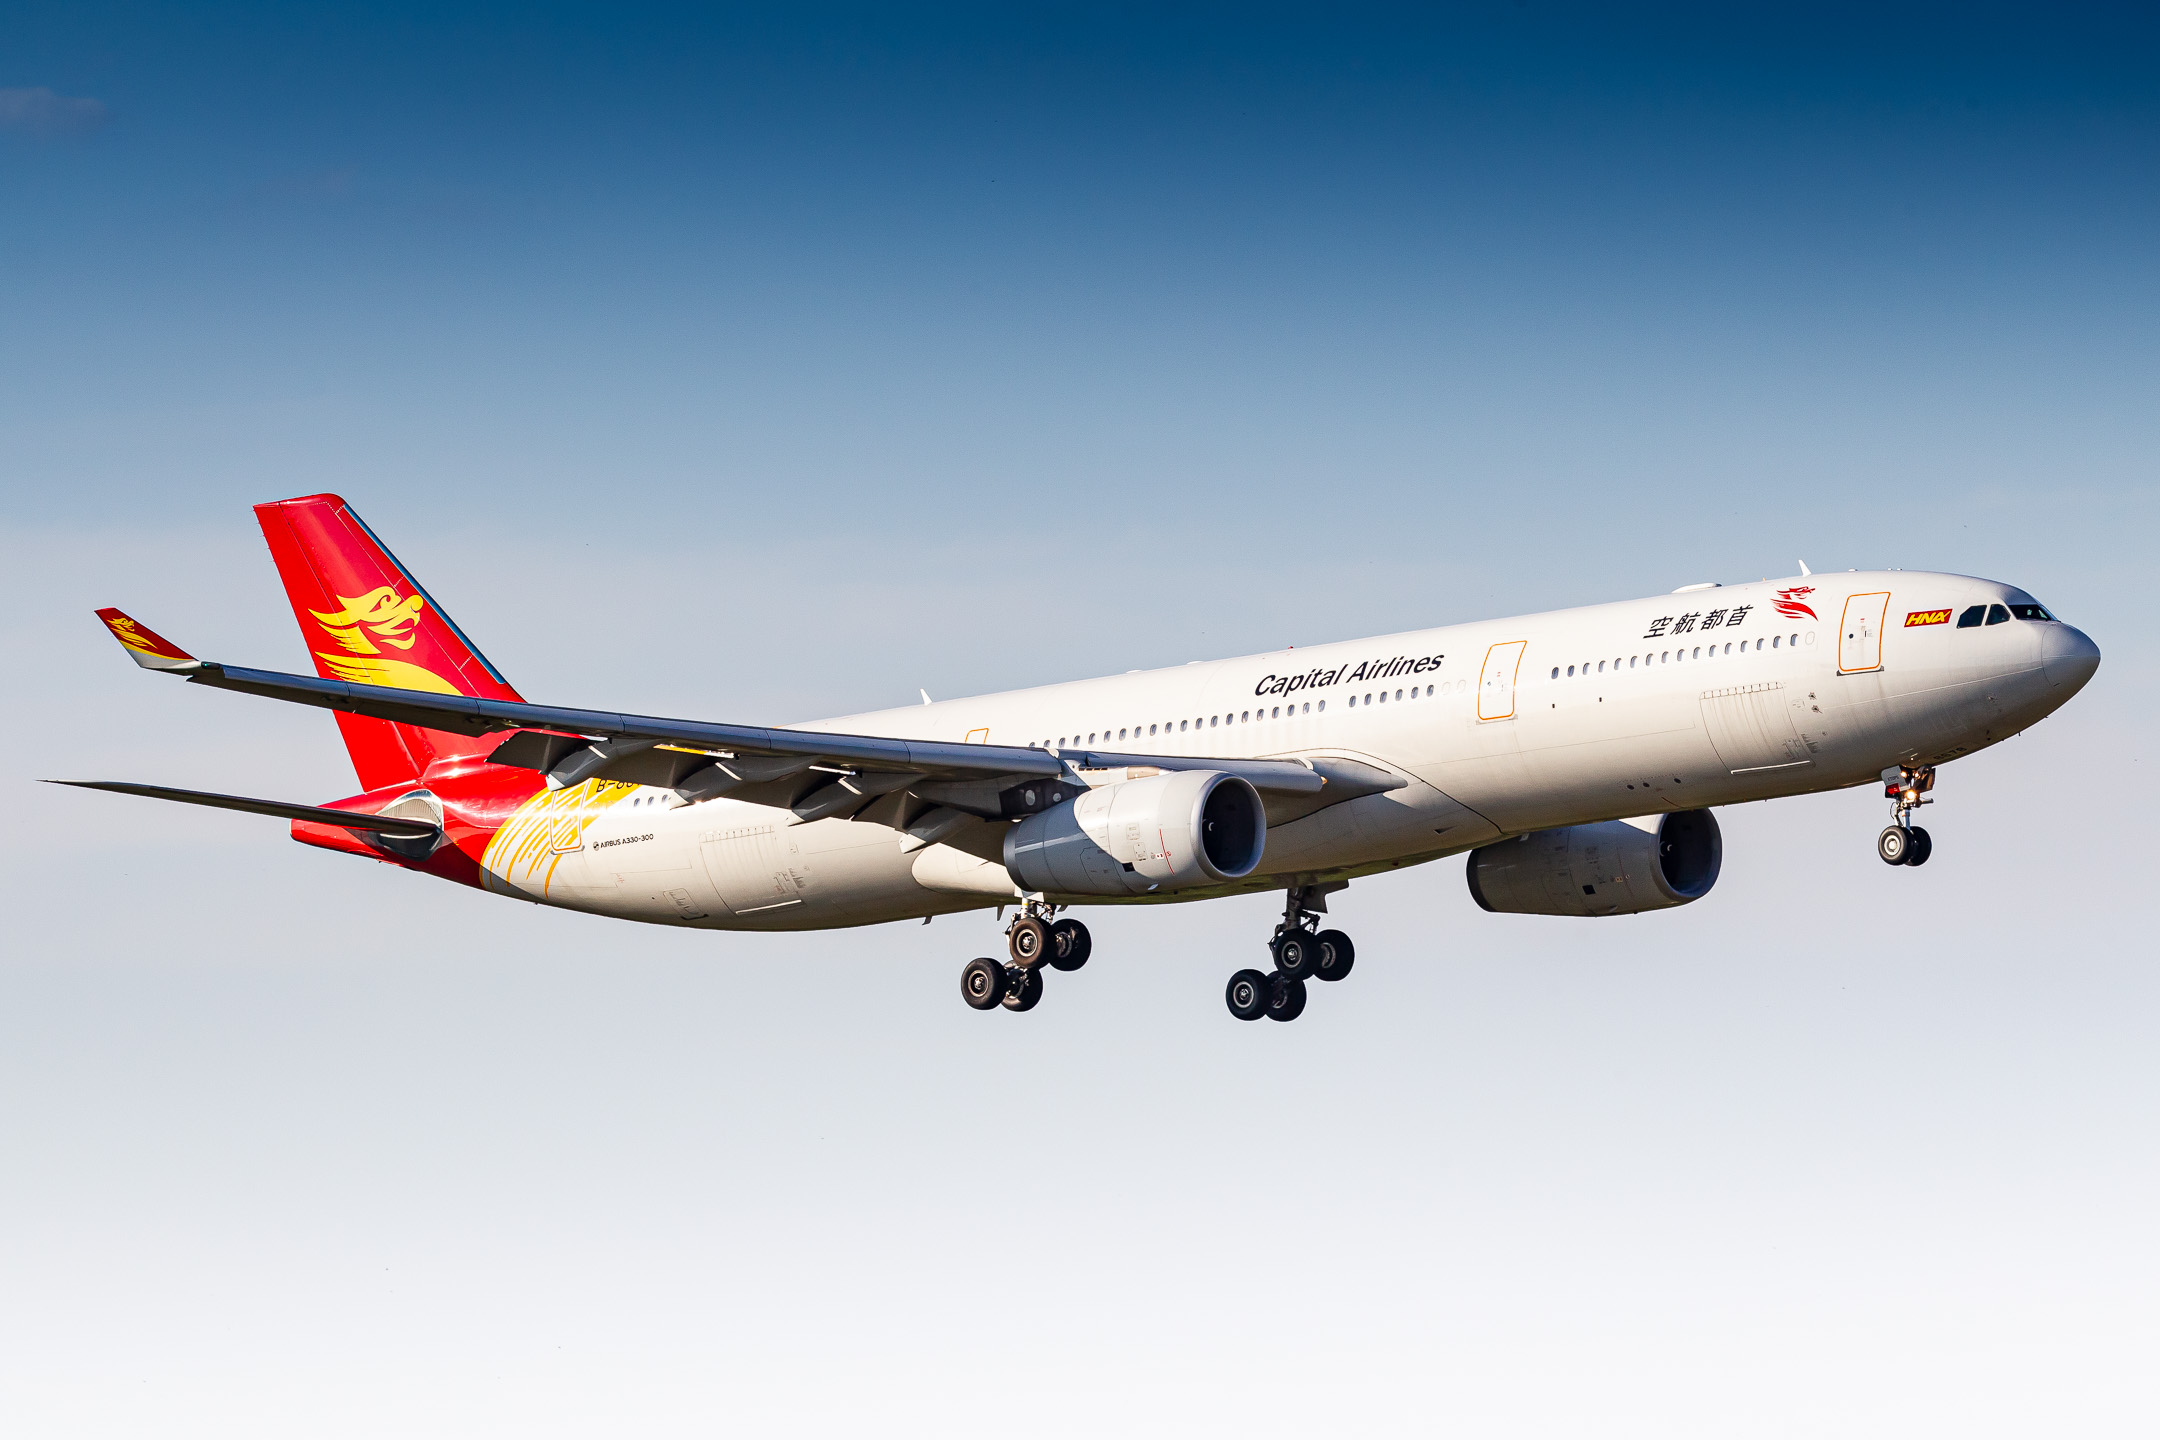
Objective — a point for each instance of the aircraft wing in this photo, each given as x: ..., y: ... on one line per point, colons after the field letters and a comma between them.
x: 815, y: 774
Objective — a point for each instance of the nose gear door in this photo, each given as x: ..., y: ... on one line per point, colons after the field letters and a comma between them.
x: 1860, y: 633
x: 1496, y: 685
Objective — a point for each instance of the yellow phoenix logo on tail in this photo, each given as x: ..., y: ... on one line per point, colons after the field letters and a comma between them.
x: 379, y: 610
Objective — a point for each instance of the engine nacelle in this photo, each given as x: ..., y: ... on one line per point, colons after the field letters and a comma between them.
x: 1620, y: 867
x: 1160, y: 832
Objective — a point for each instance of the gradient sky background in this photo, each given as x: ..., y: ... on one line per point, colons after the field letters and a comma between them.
x: 763, y: 364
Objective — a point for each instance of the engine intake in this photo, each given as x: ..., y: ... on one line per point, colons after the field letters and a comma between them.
x: 1136, y: 837
x: 1619, y: 867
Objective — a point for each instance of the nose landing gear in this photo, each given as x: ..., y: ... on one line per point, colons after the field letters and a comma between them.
x: 1031, y: 940
x: 1905, y: 843
x: 1302, y: 952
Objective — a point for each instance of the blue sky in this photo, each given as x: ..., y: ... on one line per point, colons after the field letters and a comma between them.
x: 889, y: 260
x: 768, y: 364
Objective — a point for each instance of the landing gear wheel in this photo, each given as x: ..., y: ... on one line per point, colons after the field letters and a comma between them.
x: 1297, y: 954
x: 1894, y: 845
x: 1023, y: 987
x: 1286, y: 998
x: 1247, y: 995
x: 1337, y: 955
x: 982, y: 983
x: 1070, y: 945
x: 1027, y: 941
x: 1920, y: 847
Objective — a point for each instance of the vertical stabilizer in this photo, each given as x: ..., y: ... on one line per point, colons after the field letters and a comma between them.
x: 366, y: 619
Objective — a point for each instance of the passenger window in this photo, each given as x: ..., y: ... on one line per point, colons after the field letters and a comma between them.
x: 2030, y: 612
x: 1181, y: 727
x: 1276, y: 713
x: 1556, y: 671
x: 1972, y: 617
x: 1997, y: 615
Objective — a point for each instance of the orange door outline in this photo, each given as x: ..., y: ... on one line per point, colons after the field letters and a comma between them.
x: 1496, y: 681
x: 1860, y: 637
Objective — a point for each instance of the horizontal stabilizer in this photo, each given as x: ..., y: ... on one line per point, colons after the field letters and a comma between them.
x: 313, y: 814
x: 145, y: 646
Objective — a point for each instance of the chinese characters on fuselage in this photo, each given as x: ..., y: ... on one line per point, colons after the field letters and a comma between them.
x: 1695, y: 620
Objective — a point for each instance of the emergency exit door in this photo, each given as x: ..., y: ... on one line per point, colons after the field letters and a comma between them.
x: 1859, y: 645
x: 1496, y: 686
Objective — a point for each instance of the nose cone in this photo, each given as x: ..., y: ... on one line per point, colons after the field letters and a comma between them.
x: 2071, y: 658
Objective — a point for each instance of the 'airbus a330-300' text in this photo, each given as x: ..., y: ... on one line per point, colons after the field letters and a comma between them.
x: 1577, y: 756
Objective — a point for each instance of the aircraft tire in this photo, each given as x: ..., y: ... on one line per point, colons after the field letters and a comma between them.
x: 1027, y: 941
x: 982, y: 983
x: 1286, y: 998
x: 1070, y: 945
x: 1337, y: 955
x: 1023, y: 987
x: 1923, y: 845
x: 1894, y: 845
x: 1296, y: 954
x: 1247, y: 994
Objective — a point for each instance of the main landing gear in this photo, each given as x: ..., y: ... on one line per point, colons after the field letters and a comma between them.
x: 1302, y: 951
x: 1905, y: 843
x: 1032, y: 940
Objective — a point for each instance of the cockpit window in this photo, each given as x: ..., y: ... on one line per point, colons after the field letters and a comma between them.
x: 1972, y: 617
x: 1997, y: 615
x: 2031, y: 612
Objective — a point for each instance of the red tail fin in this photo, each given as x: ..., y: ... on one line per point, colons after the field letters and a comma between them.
x: 366, y: 619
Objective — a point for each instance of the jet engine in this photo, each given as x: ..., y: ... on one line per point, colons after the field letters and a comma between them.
x: 1138, y: 837
x: 1619, y: 867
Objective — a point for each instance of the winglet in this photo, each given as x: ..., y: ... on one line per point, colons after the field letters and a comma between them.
x: 148, y: 649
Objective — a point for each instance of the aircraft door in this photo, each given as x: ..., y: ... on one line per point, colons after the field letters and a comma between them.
x: 1496, y: 685
x: 1860, y: 633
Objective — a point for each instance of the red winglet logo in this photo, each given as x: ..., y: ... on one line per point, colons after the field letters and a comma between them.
x: 1791, y: 606
x: 145, y: 646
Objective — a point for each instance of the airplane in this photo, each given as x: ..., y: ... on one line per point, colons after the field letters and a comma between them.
x: 1577, y: 757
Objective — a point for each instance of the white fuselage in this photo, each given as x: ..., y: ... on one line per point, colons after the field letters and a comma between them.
x: 1499, y: 727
